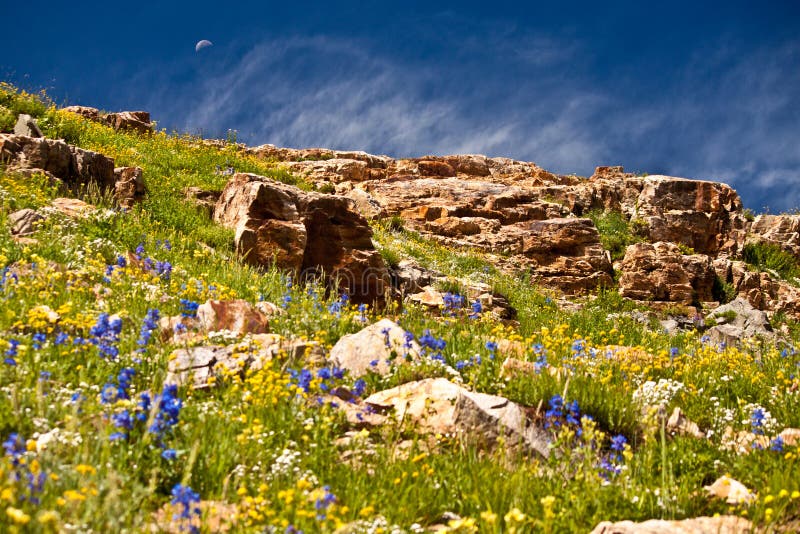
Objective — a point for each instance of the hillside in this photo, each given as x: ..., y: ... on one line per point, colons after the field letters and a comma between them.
x: 204, y: 336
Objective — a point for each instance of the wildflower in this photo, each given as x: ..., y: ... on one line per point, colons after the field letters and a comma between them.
x: 776, y: 444
x: 555, y: 413
x: 139, y: 251
x: 17, y: 516
x: 189, y: 308
x: 11, y: 352
x: 105, y: 334
x: 169, y: 454
x: 359, y: 386
x: 757, y: 418
x: 61, y: 338
x: 185, y: 497
x: 477, y: 309
x: 149, y: 324
x: 38, y: 340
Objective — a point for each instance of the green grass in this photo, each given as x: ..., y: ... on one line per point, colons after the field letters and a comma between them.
x: 265, y: 454
x: 771, y: 257
x: 616, y: 232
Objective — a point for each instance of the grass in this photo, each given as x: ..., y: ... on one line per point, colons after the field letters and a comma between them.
x: 616, y: 232
x: 262, y: 449
x: 764, y: 256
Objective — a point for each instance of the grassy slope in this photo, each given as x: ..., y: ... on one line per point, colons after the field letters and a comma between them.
x: 227, y: 440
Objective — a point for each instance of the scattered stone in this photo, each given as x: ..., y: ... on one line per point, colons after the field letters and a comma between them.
x: 23, y: 222
x: 236, y: 316
x: 439, y: 406
x: 781, y: 230
x: 679, y: 424
x: 726, y: 524
x: 72, y: 207
x: 26, y: 125
x: 733, y: 491
x: 374, y: 349
x: 128, y: 186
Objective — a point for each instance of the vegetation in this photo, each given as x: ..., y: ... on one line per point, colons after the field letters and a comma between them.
x: 765, y: 256
x: 616, y: 232
x: 95, y: 439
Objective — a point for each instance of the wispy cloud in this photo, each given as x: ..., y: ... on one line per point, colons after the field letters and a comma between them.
x: 727, y: 115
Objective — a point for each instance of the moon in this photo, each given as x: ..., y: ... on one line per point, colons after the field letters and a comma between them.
x: 202, y: 44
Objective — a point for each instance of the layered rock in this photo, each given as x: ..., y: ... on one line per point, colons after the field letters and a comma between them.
x: 134, y: 121
x: 68, y: 163
x: 659, y: 271
x: 308, y: 233
x: 781, y: 230
x: 706, y: 216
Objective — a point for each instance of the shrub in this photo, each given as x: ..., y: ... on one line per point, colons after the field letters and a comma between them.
x: 769, y: 256
x: 722, y: 291
x: 616, y: 232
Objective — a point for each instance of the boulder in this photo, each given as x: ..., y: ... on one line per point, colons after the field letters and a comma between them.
x: 725, y: 524
x: 438, y: 406
x: 374, y: 348
x: 745, y: 317
x: 706, y: 216
x: 781, y: 230
x: 26, y: 125
x: 128, y: 186
x: 93, y: 114
x: 659, y: 271
x: 236, y: 316
x: 312, y: 234
x: 23, y: 222
x: 71, y: 207
x: 133, y: 121
x: 68, y: 163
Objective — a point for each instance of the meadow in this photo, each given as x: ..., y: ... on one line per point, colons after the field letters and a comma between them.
x: 95, y: 440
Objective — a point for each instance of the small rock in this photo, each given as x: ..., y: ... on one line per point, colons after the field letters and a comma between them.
x: 23, y: 222
x: 678, y: 423
x: 26, y: 125
x: 371, y: 349
x: 726, y: 524
x: 746, y: 318
x: 733, y: 491
x: 72, y: 207
x: 439, y: 406
x: 236, y: 316
x: 129, y: 186
x: 136, y: 121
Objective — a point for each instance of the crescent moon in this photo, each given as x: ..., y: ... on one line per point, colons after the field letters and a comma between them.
x: 202, y: 44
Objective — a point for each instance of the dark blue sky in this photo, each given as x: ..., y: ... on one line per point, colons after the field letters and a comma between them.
x: 707, y: 91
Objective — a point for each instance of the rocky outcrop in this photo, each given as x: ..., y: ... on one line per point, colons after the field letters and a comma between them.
x: 438, y: 406
x: 129, y: 186
x: 706, y: 216
x: 26, y: 125
x: 781, y: 230
x: 308, y: 233
x: 68, y: 163
x: 760, y: 289
x: 660, y: 272
x: 134, y: 121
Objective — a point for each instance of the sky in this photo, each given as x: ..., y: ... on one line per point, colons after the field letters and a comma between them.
x: 696, y: 89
